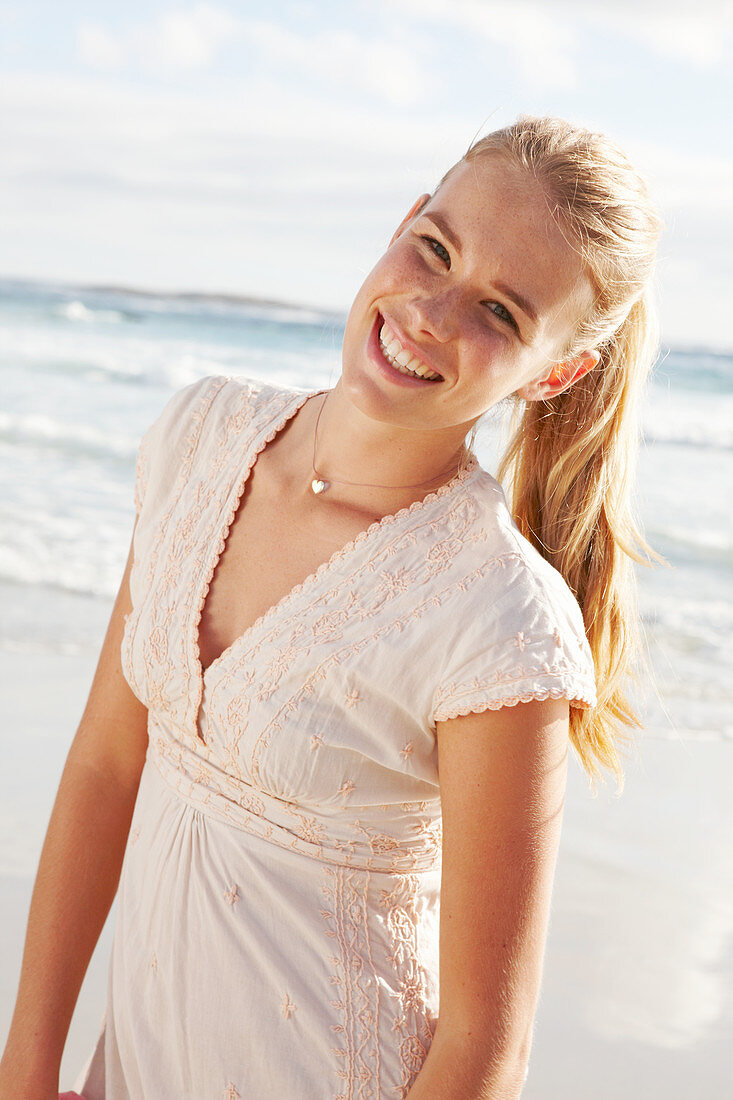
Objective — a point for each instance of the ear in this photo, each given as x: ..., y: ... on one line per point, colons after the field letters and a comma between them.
x: 412, y: 213
x: 560, y: 377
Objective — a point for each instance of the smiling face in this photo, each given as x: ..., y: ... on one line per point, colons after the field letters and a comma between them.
x: 475, y: 299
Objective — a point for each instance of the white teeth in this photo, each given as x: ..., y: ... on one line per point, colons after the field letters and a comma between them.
x: 401, y: 359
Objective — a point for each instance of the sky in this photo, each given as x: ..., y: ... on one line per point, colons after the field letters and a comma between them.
x: 271, y: 149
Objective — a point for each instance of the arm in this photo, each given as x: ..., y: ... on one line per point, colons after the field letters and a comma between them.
x: 502, y: 784
x: 79, y: 869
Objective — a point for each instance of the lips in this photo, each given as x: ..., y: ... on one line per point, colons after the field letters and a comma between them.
x: 402, y: 359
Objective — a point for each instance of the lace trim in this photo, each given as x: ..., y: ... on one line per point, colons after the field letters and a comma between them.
x: 141, y: 476
x: 585, y: 699
x: 220, y: 545
x: 342, y: 552
x: 348, y: 548
x: 206, y: 392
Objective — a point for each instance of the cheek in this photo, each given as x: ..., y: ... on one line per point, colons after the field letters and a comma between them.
x: 490, y: 351
x: 498, y: 369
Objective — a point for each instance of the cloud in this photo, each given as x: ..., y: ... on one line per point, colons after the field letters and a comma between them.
x: 99, y: 49
x: 342, y: 58
x: 192, y: 38
x: 175, y: 41
x: 700, y: 37
x: 542, y: 48
x: 545, y: 41
x: 187, y: 39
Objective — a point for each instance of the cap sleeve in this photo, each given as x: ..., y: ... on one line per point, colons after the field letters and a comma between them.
x: 529, y: 643
x: 162, y: 447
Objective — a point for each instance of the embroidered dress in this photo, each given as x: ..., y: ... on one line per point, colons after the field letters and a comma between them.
x: 278, y: 911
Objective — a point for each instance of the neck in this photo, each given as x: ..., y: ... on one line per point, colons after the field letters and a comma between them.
x: 362, y: 456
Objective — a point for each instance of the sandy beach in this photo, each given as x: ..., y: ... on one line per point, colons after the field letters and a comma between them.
x: 637, y: 996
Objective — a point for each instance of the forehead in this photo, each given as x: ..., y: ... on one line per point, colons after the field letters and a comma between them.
x: 502, y: 218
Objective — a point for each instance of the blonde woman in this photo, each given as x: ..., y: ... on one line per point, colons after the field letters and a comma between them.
x: 332, y: 637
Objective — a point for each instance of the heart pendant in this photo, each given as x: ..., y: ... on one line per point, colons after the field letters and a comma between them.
x: 319, y: 486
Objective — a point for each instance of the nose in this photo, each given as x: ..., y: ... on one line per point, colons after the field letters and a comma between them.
x: 435, y: 314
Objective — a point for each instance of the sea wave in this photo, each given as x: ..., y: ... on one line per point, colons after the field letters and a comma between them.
x: 710, y: 436
x: 78, y: 312
x: 85, y: 574
x: 165, y: 361
x: 42, y: 431
x: 714, y: 541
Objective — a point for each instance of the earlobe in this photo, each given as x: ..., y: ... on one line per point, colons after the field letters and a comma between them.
x: 412, y: 213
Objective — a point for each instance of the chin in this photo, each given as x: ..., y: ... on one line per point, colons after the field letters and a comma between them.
x: 365, y: 395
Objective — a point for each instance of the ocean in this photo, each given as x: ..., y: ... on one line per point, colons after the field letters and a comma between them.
x: 85, y: 371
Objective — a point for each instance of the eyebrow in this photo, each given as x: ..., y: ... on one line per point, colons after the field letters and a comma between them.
x: 513, y: 295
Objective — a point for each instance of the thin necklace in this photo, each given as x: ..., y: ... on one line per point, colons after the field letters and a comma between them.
x: 320, y: 485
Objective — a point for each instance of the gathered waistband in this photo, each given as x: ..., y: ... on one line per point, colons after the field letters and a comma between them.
x: 360, y: 842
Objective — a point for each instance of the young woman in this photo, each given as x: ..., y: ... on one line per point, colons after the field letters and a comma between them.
x: 332, y: 638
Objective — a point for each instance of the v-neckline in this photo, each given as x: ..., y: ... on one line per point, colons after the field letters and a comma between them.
x: 218, y: 544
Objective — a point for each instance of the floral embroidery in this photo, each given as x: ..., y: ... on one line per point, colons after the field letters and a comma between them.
x: 346, y: 787
x: 154, y: 963
x: 330, y: 626
x: 395, y: 583
x: 510, y: 687
x: 407, y: 750
x: 520, y: 641
x: 442, y: 555
x: 231, y: 896
x: 351, y: 699
x: 411, y: 1023
x: 311, y: 830
x: 288, y: 1008
x: 316, y: 741
x: 355, y: 980
x: 252, y: 804
x: 230, y: 1092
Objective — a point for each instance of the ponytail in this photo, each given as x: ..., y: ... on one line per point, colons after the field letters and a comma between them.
x: 571, y: 459
x: 571, y: 466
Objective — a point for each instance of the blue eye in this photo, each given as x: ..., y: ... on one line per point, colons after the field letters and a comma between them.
x: 502, y: 313
x: 440, y: 251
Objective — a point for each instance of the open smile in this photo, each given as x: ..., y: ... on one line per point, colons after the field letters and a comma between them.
x: 403, y: 360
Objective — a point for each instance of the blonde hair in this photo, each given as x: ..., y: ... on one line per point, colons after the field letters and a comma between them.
x: 571, y: 459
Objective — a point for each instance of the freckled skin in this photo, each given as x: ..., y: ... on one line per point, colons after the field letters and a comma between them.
x: 501, y: 219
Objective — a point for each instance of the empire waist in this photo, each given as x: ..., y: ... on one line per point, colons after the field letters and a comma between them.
x: 399, y: 839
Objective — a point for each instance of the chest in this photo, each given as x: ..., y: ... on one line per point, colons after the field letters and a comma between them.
x: 274, y: 543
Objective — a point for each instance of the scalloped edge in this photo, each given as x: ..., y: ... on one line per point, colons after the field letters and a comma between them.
x: 289, y: 412
x: 585, y: 701
x: 254, y: 452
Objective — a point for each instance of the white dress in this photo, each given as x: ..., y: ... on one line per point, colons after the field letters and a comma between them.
x: 278, y: 912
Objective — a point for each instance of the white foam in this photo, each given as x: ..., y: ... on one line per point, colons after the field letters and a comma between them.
x: 37, y: 430
x: 77, y: 311
x: 688, y: 419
